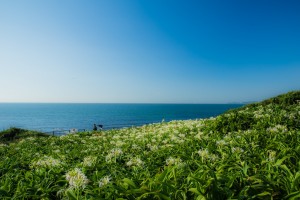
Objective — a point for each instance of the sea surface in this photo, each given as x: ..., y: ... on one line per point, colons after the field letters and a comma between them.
x: 47, y: 117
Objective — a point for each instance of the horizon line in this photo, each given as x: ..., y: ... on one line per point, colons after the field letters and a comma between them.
x: 241, y: 102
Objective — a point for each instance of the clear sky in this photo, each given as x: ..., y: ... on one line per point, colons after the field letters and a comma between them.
x: 148, y: 51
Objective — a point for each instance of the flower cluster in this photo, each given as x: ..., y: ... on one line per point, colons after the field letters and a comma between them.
x: 46, y: 162
x: 272, y: 156
x: 135, y: 162
x: 152, y: 147
x: 203, y: 153
x: 237, y: 150
x: 221, y: 143
x: 3, y: 145
x: 89, y: 161
x: 104, y: 181
x: 76, y: 179
x: 277, y: 128
x: 173, y: 161
x: 114, y: 153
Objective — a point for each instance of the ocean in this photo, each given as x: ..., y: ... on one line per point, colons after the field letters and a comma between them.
x: 48, y: 117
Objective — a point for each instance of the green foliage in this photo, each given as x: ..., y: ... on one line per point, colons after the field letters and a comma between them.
x: 248, y: 153
x: 13, y: 134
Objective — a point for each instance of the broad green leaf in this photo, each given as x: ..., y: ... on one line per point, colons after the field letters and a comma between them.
x: 162, y: 176
x: 280, y: 161
x: 129, y: 182
x: 71, y: 195
x: 194, y: 190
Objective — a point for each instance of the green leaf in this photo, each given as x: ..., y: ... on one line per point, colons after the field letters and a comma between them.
x: 287, y: 170
x: 194, y: 190
x: 162, y: 176
x: 292, y: 196
x: 264, y: 194
x: 164, y: 196
x: 200, y: 197
x: 129, y: 182
x: 280, y: 161
x: 71, y: 195
x: 296, y: 178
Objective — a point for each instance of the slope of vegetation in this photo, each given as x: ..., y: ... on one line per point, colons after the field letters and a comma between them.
x: 247, y: 153
x: 14, y: 134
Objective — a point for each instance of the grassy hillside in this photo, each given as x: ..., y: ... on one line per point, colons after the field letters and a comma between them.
x: 15, y: 134
x: 248, y: 153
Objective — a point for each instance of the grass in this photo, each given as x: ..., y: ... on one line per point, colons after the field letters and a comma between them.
x: 248, y: 153
x: 14, y: 134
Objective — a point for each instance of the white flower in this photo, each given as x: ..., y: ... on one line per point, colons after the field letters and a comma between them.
x: 134, y: 146
x: 116, y: 137
x: 104, y: 181
x: 272, y: 155
x: 3, y: 145
x: 135, y: 162
x: 237, y: 150
x: 114, y: 153
x: 227, y: 137
x: 129, y: 163
x: 76, y: 178
x: 277, y: 128
x: 109, y: 157
x: 119, y: 143
x: 89, y: 161
x: 154, y: 148
x: 213, y: 157
x: 165, y: 141
x: 56, y: 151
x: 203, y: 153
x: 47, y: 162
x: 30, y: 138
x: 173, y: 161
x: 221, y: 143
x: 153, y: 140
x: 174, y: 138
x: 199, y: 135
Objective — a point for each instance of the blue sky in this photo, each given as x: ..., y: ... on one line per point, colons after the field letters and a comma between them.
x: 154, y: 51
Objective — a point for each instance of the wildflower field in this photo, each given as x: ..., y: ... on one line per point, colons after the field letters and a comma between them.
x: 247, y: 153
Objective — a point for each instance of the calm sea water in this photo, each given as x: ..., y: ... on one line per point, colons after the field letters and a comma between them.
x: 49, y: 117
